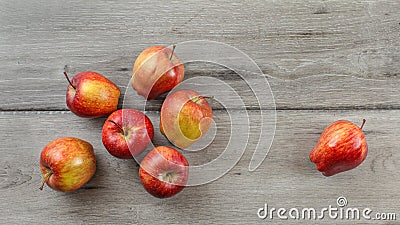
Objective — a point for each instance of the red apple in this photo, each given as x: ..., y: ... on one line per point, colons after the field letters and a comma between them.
x: 185, y: 117
x: 164, y: 172
x: 126, y: 133
x: 156, y: 70
x: 341, y: 147
x: 67, y: 164
x: 90, y: 94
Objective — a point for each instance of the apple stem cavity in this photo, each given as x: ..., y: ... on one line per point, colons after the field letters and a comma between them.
x: 169, y: 178
x: 119, y: 127
x: 69, y: 81
x: 173, y: 50
x: 363, y: 122
x: 44, y: 180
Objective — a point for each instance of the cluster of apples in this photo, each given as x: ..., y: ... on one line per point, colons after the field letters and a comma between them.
x: 68, y: 163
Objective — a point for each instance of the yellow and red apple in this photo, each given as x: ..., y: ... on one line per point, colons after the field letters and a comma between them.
x: 185, y: 117
x: 90, y: 94
x: 156, y: 70
x: 67, y: 164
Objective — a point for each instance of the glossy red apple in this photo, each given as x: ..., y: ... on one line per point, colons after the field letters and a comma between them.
x: 156, y: 70
x: 90, y: 94
x: 341, y: 147
x: 67, y: 164
x: 185, y: 117
x: 126, y: 133
x: 164, y: 172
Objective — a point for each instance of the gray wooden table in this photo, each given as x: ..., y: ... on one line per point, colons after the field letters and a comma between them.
x: 324, y: 61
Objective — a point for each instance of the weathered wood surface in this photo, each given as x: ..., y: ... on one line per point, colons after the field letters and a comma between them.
x: 286, y: 178
x: 313, y: 52
x: 324, y: 60
x: 314, y: 92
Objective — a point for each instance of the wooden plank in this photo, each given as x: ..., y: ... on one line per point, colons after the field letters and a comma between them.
x: 315, y: 54
x: 298, y: 35
x: 325, y: 91
x: 286, y: 178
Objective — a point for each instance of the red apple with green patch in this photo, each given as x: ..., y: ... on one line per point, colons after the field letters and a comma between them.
x: 341, y: 147
x: 67, y: 164
x: 185, y: 117
x: 90, y: 94
x: 126, y: 133
x: 156, y: 70
x: 164, y: 172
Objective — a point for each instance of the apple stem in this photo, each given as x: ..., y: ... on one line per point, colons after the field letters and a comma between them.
x: 119, y: 127
x: 69, y: 81
x: 44, y: 180
x: 363, y: 122
x: 169, y: 177
x: 173, y: 50
x: 197, y: 99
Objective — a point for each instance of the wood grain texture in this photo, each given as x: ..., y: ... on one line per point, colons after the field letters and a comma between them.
x: 324, y: 60
x: 285, y: 179
x: 325, y: 91
x: 348, y: 52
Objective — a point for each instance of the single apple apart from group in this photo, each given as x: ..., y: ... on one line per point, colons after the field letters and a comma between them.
x: 341, y: 147
x: 126, y: 133
x: 164, y: 172
x: 67, y: 164
x: 90, y: 94
x: 185, y: 117
x: 156, y: 70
